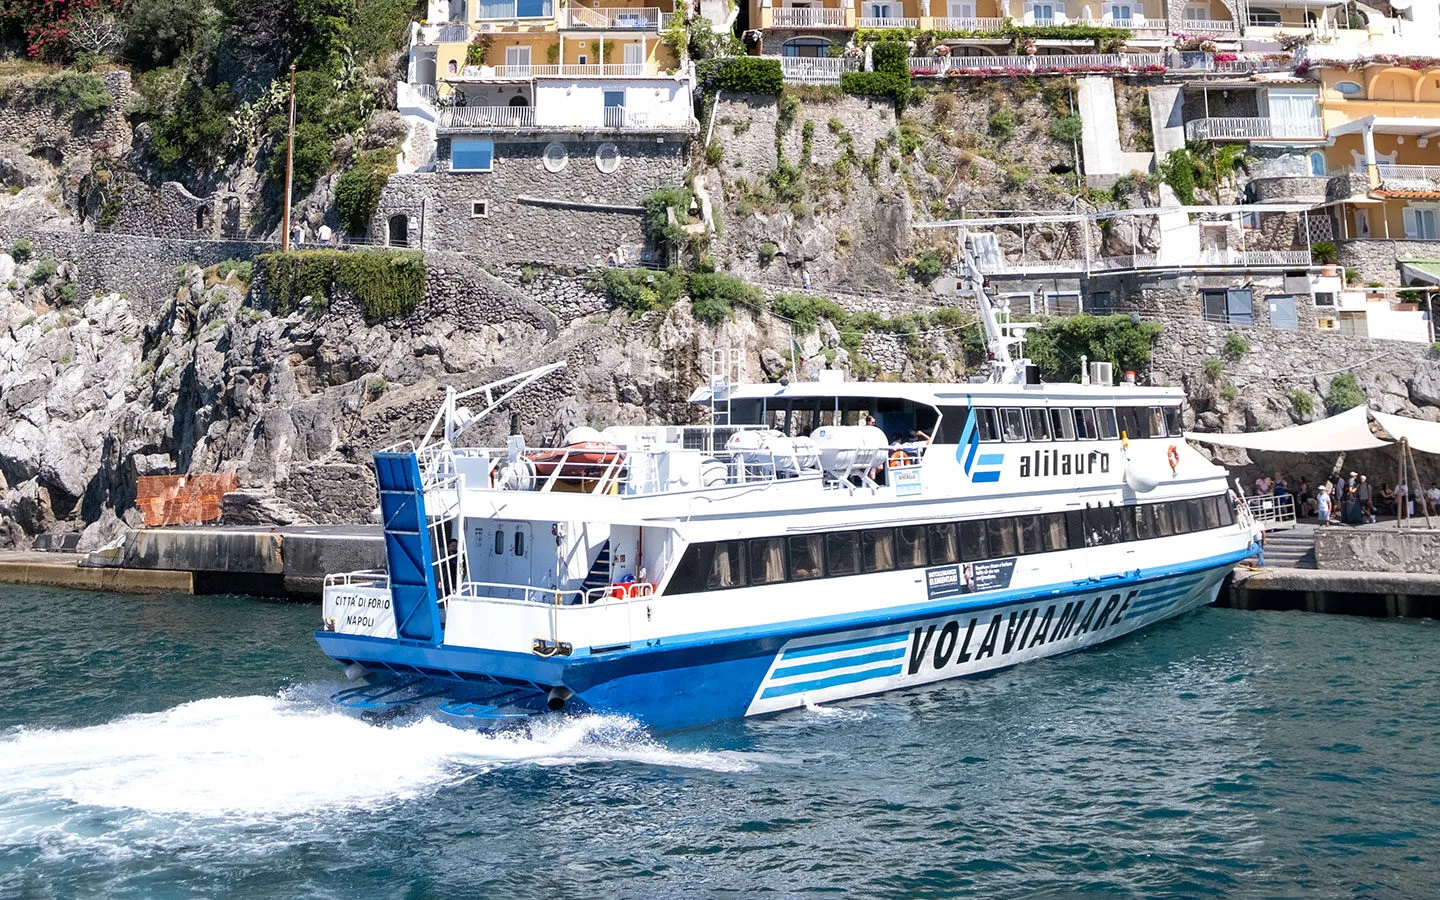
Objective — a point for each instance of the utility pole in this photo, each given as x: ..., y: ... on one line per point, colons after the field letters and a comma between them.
x: 289, y: 167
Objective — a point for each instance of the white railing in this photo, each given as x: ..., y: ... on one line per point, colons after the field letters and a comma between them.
x: 473, y: 591
x: 1275, y: 257
x: 1402, y: 176
x: 1207, y: 26
x: 1223, y: 257
x: 1139, y: 26
x: 512, y: 11
x: 647, y: 18
x: 1272, y: 512
x: 449, y: 34
x: 815, y: 69
x: 1252, y: 129
x: 377, y: 578
x: 954, y: 23
x: 940, y: 65
x: 783, y: 17
x: 888, y: 22
x: 551, y: 70
x: 488, y: 117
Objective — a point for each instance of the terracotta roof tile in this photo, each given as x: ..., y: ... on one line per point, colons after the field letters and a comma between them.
x: 1409, y: 195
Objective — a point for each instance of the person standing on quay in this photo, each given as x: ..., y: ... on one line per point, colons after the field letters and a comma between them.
x: 1365, y: 496
x: 1322, y: 504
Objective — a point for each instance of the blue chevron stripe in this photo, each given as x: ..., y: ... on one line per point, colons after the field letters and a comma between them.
x: 841, y: 646
x: 796, y: 687
x: 842, y: 662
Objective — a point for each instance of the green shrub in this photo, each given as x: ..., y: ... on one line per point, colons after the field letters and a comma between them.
x: 805, y: 311
x: 242, y: 269
x: 926, y: 267
x: 1302, y: 402
x: 1236, y: 346
x: 643, y: 290
x: 1056, y: 346
x: 357, y: 192
x: 1066, y: 129
x: 656, y: 224
x: 1229, y: 393
x: 741, y: 75
x: 714, y: 295
x: 1178, y: 170
x: 1002, y: 124
x: 160, y: 32
x: 1344, y: 393
x: 74, y: 93
x: 714, y: 153
x: 45, y: 270
x: 22, y: 249
x: 767, y: 253
x: 68, y: 291
x: 190, y: 126
x: 1213, y: 367
x: 386, y: 283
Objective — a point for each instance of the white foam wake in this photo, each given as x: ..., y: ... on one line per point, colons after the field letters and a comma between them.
x: 268, y: 757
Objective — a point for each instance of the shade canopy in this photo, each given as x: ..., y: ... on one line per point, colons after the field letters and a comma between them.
x: 1427, y: 270
x: 1422, y: 436
x: 1348, y: 431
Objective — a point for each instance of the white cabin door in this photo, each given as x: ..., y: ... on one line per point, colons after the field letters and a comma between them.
x: 510, y: 555
x: 635, y: 58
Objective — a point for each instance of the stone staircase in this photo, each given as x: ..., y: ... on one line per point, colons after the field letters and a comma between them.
x: 1290, y: 548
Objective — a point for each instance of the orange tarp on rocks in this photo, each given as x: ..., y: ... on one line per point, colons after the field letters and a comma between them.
x: 182, y: 499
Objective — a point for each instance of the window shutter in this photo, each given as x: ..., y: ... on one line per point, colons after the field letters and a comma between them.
x: 1411, y: 228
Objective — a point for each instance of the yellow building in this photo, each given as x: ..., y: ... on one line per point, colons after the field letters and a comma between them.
x: 1383, y: 125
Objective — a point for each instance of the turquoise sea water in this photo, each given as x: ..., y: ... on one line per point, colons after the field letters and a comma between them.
x: 182, y: 746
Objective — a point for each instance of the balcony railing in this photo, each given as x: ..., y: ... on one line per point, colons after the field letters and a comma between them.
x: 1227, y: 256
x: 1200, y: 61
x: 1102, y: 62
x: 815, y: 69
x: 1208, y: 26
x: 453, y: 33
x: 531, y: 9
x: 503, y: 118
x: 488, y: 117
x: 1254, y: 129
x: 783, y: 17
x: 888, y: 22
x: 1422, y: 178
x: 962, y: 24
x: 592, y: 70
x: 615, y: 19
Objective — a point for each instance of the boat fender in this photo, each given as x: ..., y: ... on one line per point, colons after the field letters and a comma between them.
x: 1139, y: 481
x: 1173, y: 457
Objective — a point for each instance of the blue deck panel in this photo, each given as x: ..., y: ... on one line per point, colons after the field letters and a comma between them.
x: 408, y: 556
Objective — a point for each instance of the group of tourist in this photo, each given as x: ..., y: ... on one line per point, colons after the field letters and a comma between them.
x: 1350, y: 499
x: 324, y: 235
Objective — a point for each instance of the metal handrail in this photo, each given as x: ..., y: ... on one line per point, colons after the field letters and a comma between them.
x: 1271, y: 512
x: 470, y: 591
x: 370, y: 577
x: 1253, y: 128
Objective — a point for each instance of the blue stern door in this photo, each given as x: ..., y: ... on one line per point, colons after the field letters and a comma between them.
x: 408, y: 555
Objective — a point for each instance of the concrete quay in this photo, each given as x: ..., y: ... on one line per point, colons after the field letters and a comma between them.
x: 290, y: 561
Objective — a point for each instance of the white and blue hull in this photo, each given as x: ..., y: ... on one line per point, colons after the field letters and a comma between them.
x: 693, y: 679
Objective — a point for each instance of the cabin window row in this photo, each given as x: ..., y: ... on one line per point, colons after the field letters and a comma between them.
x: 719, y: 565
x: 1015, y: 424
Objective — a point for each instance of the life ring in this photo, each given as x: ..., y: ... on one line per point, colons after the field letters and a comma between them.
x: 899, y: 458
x: 1173, y: 456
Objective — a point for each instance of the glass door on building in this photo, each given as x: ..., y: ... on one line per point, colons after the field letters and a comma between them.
x: 635, y: 58
x: 1294, y: 114
x: 517, y: 61
x: 614, y: 109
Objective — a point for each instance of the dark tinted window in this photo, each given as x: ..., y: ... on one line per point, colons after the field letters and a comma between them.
x: 1053, y: 534
x: 910, y: 546
x: 767, y: 560
x: 877, y: 550
x: 1062, y: 425
x: 1029, y: 527
x: 1039, y: 424
x: 842, y: 552
x: 1013, y: 422
x: 987, y: 421
x: 952, y: 422
x: 944, y: 543
x: 1105, y: 420
x: 727, y: 565
x: 1085, y: 425
x: 973, y: 545
x: 1174, y: 423
x: 806, y: 556
x: 1002, y: 538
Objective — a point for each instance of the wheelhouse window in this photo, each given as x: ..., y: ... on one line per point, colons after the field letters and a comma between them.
x: 767, y: 560
x: 806, y: 557
x: 1105, y: 420
x: 1039, y: 424
x: 1013, y: 422
x: 1156, y: 422
x: 1174, y: 422
x: 1062, y: 425
x: 1085, y: 424
x: 1134, y: 423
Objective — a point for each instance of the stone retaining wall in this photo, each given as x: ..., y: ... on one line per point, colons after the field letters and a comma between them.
x: 1378, y: 260
x: 1378, y: 550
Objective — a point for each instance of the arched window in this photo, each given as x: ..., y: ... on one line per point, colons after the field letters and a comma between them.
x: 425, y: 70
x: 806, y: 46
x: 1317, y: 163
x: 1349, y: 88
x: 519, y: 101
x: 451, y: 67
x: 1260, y: 17
x: 399, y: 235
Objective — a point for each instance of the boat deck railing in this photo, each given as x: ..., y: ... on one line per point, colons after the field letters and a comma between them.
x: 500, y: 592
x: 371, y: 578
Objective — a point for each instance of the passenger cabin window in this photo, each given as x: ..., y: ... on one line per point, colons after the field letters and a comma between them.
x: 1013, y: 421
x: 1133, y: 422
x: 723, y: 565
x: 767, y: 560
x: 1039, y: 424
x: 987, y: 422
x: 1062, y: 425
x: 1157, y: 422
x: 1105, y: 420
x: 1085, y: 424
x: 952, y: 424
x: 806, y: 554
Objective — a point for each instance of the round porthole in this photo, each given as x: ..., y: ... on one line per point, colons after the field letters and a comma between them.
x: 607, y: 158
x: 555, y: 156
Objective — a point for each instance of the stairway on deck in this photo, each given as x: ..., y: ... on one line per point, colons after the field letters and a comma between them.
x: 1292, y: 548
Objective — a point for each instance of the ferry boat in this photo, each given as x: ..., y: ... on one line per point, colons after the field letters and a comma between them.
x: 816, y: 541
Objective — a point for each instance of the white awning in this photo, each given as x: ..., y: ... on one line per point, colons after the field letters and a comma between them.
x: 1349, y: 430
x: 1422, y: 436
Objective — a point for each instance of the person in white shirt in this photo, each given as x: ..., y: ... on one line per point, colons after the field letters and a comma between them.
x: 1433, y: 495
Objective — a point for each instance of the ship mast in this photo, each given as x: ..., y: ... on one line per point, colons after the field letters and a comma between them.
x: 1006, y: 368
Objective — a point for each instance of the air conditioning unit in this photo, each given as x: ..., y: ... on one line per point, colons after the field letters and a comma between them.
x: 485, y: 27
x: 1102, y: 373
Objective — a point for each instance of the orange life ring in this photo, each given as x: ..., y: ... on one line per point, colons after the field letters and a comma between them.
x: 899, y: 458
x: 1173, y: 455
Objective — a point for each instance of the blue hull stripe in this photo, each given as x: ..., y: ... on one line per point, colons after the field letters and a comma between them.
x: 782, y: 690
x: 991, y: 459
x: 838, y: 646
x: 843, y: 662
x: 983, y: 477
